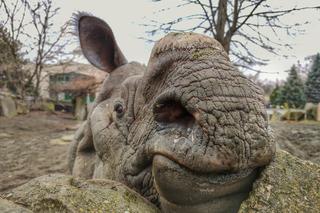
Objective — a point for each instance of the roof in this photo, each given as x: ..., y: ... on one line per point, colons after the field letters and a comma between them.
x: 93, y: 80
x: 84, y: 69
x: 76, y: 86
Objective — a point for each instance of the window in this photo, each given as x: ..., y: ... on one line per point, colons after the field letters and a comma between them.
x: 68, y: 96
x: 60, y: 78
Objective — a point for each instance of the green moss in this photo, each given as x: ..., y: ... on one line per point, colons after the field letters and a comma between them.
x: 130, y: 198
x: 49, y: 205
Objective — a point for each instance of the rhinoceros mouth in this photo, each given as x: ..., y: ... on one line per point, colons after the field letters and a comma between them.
x: 183, y: 190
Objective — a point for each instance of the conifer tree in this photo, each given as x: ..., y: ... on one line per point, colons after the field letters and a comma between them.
x: 9, y: 58
x: 292, y: 92
x: 312, y: 88
x: 12, y: 75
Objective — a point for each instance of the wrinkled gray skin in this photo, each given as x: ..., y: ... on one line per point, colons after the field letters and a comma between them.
x: 189, y: 132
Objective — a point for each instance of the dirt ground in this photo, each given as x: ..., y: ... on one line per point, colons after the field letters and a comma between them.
x: 31, y: 145
x: 36, y: 144
x: 301, y: 139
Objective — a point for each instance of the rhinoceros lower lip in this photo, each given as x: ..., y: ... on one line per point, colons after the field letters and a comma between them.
x: 181, y: 186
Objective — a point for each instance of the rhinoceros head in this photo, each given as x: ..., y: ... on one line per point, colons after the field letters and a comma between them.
x: 188, y: 131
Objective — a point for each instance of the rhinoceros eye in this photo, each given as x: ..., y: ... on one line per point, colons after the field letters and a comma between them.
x: 119, y: 109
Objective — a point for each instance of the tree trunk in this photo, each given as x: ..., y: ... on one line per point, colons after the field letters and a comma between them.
x: 221, y: 24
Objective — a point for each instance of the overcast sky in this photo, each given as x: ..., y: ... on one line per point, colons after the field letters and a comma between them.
x: 125, y: 16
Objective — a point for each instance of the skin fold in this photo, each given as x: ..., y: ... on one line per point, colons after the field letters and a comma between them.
x: 188, y: 131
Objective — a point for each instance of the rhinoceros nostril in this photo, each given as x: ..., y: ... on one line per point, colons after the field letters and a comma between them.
x: 172, y: 112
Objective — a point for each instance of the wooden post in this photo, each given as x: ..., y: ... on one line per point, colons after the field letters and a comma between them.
x: 81, y: 108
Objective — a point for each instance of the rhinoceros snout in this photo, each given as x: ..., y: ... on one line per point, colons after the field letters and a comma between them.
x: 171, y: 113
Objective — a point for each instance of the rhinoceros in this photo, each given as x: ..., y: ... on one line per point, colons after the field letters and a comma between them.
x: 188, y: 132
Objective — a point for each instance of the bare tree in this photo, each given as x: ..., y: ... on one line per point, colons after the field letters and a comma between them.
x: 236, y: 24
x: 49, y: 44
x: 46, y: 42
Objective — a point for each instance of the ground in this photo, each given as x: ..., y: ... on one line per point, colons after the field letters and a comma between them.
x: 36, y: 144
x: 31, y: 145
x: 301, y: 139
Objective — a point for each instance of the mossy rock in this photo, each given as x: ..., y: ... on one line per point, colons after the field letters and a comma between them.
x: 288, y: 184
x: 8, y: 107
x: 22, y: 108
x: 312, y: 113
x: 47, y: 106
x: 61, y: 193
x: 293, y: 115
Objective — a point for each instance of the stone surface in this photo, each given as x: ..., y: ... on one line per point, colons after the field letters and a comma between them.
x: 47, y: 106
x: 293, y: 115
x: 22, y: 108
x: 67, y: 138
x: 311, y: 111
x: 4, y: 135
x: 288, y: 184
x: 58, y: 141
x: 8, y: 107
x: 61, y: 193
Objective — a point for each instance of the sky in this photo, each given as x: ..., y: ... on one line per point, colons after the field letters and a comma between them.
x: 125, y: 18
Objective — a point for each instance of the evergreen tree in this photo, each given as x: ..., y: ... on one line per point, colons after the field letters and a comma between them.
x: 292, y: 92
x: 312, y: 89
x: 11, y: 61
x: 6, y: 56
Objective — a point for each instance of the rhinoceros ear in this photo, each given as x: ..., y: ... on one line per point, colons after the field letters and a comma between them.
x: 98, y: 43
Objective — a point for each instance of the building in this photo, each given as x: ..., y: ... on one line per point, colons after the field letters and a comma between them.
x: 72, y: 86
